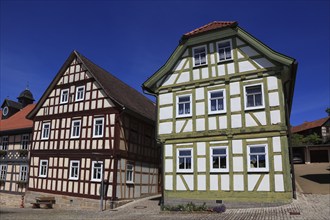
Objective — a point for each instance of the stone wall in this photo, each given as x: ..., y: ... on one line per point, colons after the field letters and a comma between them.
x: 10, y: 200
x: 71, y: 202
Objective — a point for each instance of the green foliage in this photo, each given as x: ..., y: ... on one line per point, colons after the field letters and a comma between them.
x: 328, y: 111
x: 190, y: 207
x: 299, y: 140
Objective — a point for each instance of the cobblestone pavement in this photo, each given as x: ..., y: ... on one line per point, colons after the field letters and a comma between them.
x: 307, y: 207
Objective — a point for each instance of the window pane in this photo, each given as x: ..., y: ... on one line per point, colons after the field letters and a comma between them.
x: 219, y: 151
x: 250, y: 101
x: 258, y: 99
x: 216, y: 163
x: 185, y: 153
x: 253, y: 161
x: 262, y: 161
x: 223, y: 162
x: 181, y: 163
x: 188, y: 161
x: 184, y: 99
x: 257, y: 150
x: 216, y: 94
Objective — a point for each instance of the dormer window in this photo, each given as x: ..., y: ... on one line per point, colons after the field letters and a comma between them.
x: 199, y: 54
x: 64, y: 96
x: 224, y: 50
x: 80, y: 93
x: 5, y: 111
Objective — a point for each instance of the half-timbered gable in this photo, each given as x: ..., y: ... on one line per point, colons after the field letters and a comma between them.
x: 15, y: 143
x: 79, y: 131
x: 224, y: 100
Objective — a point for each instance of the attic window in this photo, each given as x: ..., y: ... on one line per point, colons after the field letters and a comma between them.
x: 199, y: 55
x: 64, y: 96
x: 5, y: 111
x: 224, y: 50
x: 80, y: 93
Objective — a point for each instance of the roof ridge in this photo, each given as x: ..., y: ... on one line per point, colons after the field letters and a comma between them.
x: 219, y: 24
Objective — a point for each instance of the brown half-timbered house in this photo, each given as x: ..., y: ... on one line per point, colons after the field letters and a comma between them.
x: 15, y: 140
x: 88, y: 127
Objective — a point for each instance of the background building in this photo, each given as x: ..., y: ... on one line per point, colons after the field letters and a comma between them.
x: 15, y: 143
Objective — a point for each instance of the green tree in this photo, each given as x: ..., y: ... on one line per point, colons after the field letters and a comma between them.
x: 328, y: 111
x: 299, y: 140
x: 312, y: 139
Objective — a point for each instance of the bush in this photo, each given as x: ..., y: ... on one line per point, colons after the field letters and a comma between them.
x: 190, y: 207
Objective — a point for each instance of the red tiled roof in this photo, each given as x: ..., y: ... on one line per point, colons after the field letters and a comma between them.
x: 309, y: 125
x: 18, y: 120
x: 210, y: 26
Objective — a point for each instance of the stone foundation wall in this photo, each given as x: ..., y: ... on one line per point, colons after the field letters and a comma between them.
x: 228, y: 204
x: 73, y: 203
x: 10, y: 200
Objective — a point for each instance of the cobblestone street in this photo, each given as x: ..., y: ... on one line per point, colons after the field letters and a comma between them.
x: 307, y: 206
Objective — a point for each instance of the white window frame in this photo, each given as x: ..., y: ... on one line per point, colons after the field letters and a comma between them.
x: 220, y: 170
x: 43, y: 136
x: 4, y: 139
x: 94, y: 169
x: 3, y: 172
x: 194, y: 60
x: 129, y: 170
x: 25, y: 142
x: 95, y: 128
x: 258, y: 169
x: 43, y: 168
x: 75, y: 169
x: 262, y: 97
x: 23, y: 173
x: 78, y: 98
x: 191, y: 169
x: 74, y: 130
x: 63, y: 95
x: 178, y: 115
x: 223, y: 98
x: 231, y: 50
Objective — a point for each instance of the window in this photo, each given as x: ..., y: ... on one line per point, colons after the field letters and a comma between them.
x: 75, y: 129
x: 45, y: 131
x: 199, y: 55
x: 224, y: 50
x: 74, y: 169
x: 43, y: 168
x: 98, y: 127
x: 253, y: 97
x: 219, y: 161
x: 129, y: 172
x: 80, y: 93
x: 3, y: 172
x: 4, y: 143
x: 217, y: 101
x: 64, y: 96
x: 184, y: 105
x: 257, y: 158
x: 97, y: 170
x: 184, y: 161
x: 5, y: 111
x: 23, y: 173
x: 25, y: 142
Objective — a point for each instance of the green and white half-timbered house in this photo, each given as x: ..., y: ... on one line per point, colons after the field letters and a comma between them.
x: 224, y: 101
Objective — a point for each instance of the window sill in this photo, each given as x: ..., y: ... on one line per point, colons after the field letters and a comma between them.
x: 216, y: 112
x: 184, y: 116
x: 225, y: 61
x: 219, y: 171
x: 258, y: 171
x: 254, y: 108
x: 130, y: 183
x: 200, y: 66
x: 185, y: 171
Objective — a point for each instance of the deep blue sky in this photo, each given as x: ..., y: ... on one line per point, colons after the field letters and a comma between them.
x: 132, y: 39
